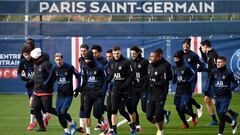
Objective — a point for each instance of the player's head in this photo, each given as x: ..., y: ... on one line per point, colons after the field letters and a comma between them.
x: 116, y: 52
x: 30, y: 41
x: 221, y: 61
x: 178, y: 58
x: 154, y: 57
x: 89, y: 57
x: 97, y: 51
x: 26, y: 50
x: 109, y: 55
x: 160, y: 52
x: 205, y: 45
x: 32, y: 46
x: 135, y: 52
x: 36, y: 53
x: 58, y: 57
x: 186, y: 44
x: 84, y: 49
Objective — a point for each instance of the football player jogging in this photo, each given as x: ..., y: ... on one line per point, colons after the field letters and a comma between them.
x: 183, y: 76
x: 97, y: 54
x: 83, y: 50
x: 94, y: 82
x: 122, y: 109
x: 166, y: 113
x: 196, y: 63
x: 210, y: 56
x: 139, y: 85
x: 42, y: 99
x: 159, y: 75
x: 223, y: 82
x: 63, y: 73
x: 26, y: 65
x: 122, y: 77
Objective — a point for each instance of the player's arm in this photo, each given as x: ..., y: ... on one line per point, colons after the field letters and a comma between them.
x: 204, y: 56
x: 146, y: 81
x: 234, y: 82
x: 192, y: 75
x: 105, y: 82
x: 169, y: 72
x: 174, y: 76
x: 47, y: 66
x: 130, y: 77
x: 77, y: 76
x: 51, y: 78
x: 201, y: 64
x: 111, y: 74
x: 20, y: 69
x: 213, y: 62
x: 84, y: 77
x: 209, y: 84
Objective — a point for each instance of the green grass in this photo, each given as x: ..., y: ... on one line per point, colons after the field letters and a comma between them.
x: 14, y: 119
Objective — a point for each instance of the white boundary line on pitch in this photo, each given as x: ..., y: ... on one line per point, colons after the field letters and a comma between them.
x: 119, y: 124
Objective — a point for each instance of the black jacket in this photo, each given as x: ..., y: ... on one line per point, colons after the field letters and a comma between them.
x: 159, y: 75
x: 139, y: 67
x: 121, y: 74
x: 210, y: 58
x: 42, y: 68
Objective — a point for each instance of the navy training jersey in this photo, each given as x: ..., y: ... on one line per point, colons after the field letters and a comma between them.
x: 223, y: 82
x: 64, y: 77
x: 94, y: 78
x: 27, y: 67
x: 183, y: 77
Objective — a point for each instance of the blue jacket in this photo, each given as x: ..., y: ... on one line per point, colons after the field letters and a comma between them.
x: 223, y: 82
x: 64, y: 77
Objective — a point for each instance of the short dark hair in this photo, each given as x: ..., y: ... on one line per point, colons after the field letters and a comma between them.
x: 159, y: 50
x: 58, y: 55
x: 109, y: 51
x: 206, y: 42
x: 97, y: 47
x: 26, y: 49
x: 116, y: 48
x: 30, y: 45
x: 188, y: 41
x: 30, y: 40
x: 84, y: 46
x: 136, y: 48
x: 222, y: 58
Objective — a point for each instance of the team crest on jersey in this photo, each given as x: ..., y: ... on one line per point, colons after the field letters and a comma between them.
x: 155, y: 73
x: 223, y: 77
x: 235, y: 63
x: 189, y: 59
x: 182, y: 72
x: 120, y: 68
x: 139, y: 66
x: 65, y: 73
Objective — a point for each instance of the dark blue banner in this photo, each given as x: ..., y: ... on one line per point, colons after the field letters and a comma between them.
x: 124, y: 7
